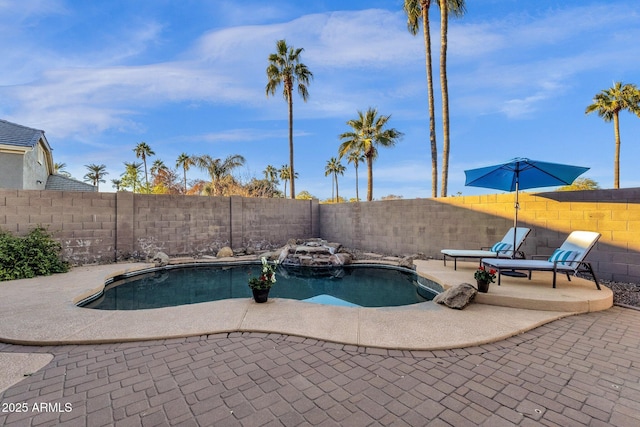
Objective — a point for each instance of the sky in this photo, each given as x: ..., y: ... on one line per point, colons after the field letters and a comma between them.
x: 189, y: 76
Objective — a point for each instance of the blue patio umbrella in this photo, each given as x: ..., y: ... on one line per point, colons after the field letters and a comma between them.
x: 520, y: 174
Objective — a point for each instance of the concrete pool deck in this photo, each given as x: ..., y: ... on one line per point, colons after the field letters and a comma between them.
x: 43, y: 311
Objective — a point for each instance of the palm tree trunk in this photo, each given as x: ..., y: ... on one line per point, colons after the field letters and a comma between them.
x: 291, y: 172
x: 333, y: 186
x: 369, y: 178
x: 185, y: 181
x: 146, y: 177
x: 337, y: 193
x: 444, y: 19
x: 432, y: 118
x: 357, y: 196
x: 616, y: 156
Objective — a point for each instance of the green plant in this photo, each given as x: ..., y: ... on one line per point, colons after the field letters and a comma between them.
x: 36, y: 254
x: 267, y: 277
x: 482, y: 275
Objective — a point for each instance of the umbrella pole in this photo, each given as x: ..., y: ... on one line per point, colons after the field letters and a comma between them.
x: 514, y: 273
x: 515, y: 220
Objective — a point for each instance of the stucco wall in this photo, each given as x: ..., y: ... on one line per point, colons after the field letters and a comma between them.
x: 10, y: 170
x: 35, y: 173
x: 429, y: 225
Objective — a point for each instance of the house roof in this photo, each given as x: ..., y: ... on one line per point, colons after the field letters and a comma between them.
x: 21, y: 136
x: 62, y: 183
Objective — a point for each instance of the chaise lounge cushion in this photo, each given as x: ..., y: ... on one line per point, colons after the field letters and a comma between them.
x: 500, y: 247
x: 563, y: 257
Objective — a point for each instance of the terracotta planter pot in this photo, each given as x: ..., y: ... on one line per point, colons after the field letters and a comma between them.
x: 483, y: 286
x: 260, y: 295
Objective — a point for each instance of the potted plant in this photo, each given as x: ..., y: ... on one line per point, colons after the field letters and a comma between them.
x: 483, y: 278
x: 261, y: 285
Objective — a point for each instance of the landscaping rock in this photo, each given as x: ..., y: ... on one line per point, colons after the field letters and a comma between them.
x: 343, y: 258
x: 225, y: 252
x: 407, y: 261
x: 161, y: 259
x: 457, y: 297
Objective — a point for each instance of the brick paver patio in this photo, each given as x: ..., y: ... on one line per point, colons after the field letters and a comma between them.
x: 580, y: 370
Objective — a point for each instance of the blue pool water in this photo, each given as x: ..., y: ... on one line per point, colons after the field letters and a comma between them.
x: 348, y: 286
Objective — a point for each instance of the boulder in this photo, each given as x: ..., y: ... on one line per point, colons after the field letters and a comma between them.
x: 457, y: 297
x: 343, y: 258
x: 225, y: 252
x: 161, y: 259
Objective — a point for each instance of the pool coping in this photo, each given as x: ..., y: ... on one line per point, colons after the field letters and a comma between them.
x: 43, y: 311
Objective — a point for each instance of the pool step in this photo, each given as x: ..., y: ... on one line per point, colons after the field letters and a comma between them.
x: 330, y: 300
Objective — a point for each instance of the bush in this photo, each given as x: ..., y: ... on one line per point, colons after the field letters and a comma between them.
x: 36, y: 254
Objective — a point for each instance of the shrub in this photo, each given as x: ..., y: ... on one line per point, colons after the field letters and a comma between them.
x: 36, y: 254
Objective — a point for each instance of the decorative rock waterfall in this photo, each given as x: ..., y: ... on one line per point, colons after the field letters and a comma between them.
x: 313, y: 252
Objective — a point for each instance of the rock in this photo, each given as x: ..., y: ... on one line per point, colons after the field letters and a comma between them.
x: 457, y: 297
x: 314, y: 253
x: 240, y: 252
x: 333, y: 247
x: 284, y: 253
x: 225, y: 252
x: 161, y: 259
x: 407, y: 261
x: 270, y: 255
x: 343, y: 258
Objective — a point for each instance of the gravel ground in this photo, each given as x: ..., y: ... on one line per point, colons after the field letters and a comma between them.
x: 624, y: 293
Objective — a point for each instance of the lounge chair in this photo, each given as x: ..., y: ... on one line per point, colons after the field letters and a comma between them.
x: 502, y: 249
x: 568, y: 258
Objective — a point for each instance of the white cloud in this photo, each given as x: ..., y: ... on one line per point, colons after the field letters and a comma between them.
x: 224, y: 66
x: 518, y: 63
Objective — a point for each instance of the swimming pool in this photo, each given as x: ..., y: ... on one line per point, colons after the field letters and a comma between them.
x: 364, y: 286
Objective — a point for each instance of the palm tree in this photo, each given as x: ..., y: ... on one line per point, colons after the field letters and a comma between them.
x: 367, y: 134
x: 130, y: 177
x: 218, y: 169
x: 334, y: 167
x: 142, y: 151
x: 184, y: 161
x: 271, y: 174
x: 158, y: 166
x: 417, y: 10
x: 457, y: 8
x: 285, y: 175
x: 356, y: 158
x: 285, y: 67
x: 95, y: 174
x: 608, y: 104
x: 116, y: 183
x: 59, y: 169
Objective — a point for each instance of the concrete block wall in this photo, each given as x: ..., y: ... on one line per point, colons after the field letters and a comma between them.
x: 271, y: 222
x: 470, y: 222
x: 84, y: 223
x: 180, y: 225
x: 103, y: 227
